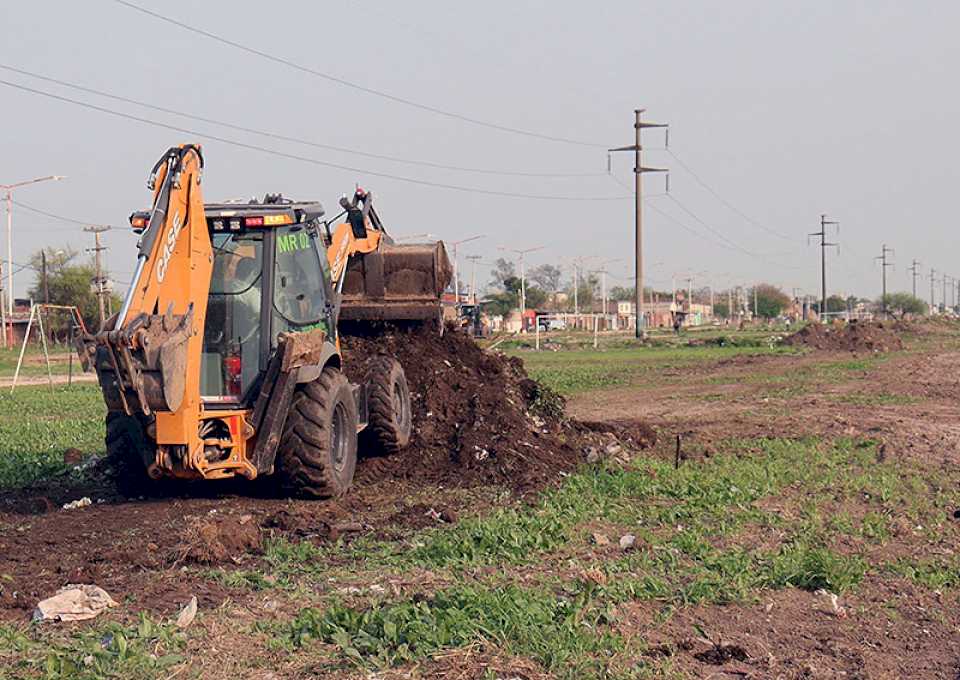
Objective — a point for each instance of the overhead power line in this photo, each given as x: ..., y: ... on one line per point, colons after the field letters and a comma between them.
x: 354, y: 86
x: 51, y: 215
x: 724, y: 201
x: 306, y: 159
x: 295, y: 140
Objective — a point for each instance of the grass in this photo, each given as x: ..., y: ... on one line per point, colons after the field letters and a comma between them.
x: 37, y: 425
x: 34, y: 363
x: 574, y: 371
x: 143, y: 650
x: 518, y: 572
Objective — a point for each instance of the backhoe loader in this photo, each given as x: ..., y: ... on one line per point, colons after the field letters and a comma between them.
x: 224, y: 358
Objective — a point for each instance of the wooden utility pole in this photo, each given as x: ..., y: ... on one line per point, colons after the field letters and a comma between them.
x: 823, y: 260
x: 100, y: 282
x: 46, y: 289
x: 882, y: 257
x: 638, y: 170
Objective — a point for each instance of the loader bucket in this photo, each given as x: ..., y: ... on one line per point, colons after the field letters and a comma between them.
x: 397, y: 282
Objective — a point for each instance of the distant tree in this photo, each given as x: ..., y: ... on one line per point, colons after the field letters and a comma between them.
x: 901, y: 304
x: 622, y: 293
x: 836, y: 303
x: 501, y: 303
x: 511, y: 284
x: 547, y: 277
x: 68, y: 283
x: 720, y: 309
x: 503, y: 269
x: 771, y: 301
x: 536, y: 297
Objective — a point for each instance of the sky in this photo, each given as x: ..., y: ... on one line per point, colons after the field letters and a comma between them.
x: 779, y: 112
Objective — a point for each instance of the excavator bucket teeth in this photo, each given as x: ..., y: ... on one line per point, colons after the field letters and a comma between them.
x: 397, y: 282
x: 143, y: 371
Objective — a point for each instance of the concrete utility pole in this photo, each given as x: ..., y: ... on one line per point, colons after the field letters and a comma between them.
x: 756, y: 306
x: 933, y: 274
x: 823, y: 260
x: 473, y: 276
x: 8, y: 188
x: 3, y: 313
x: 914, y: 273
x: 523, y: 276
x: 99, y: 282
x: 943, y: 300
x: 882, y: 257
x: 456, y: 265
x: 730, y: 304
x: 638, y: 170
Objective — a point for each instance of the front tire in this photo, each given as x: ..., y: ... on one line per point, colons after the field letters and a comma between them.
x: 390, y: 421
x: 317, y: 455
x: 127, y: 442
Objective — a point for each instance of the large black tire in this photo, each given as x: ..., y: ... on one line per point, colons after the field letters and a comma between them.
x: 127, y: 441
x: 390, y: 417
x: 317, y: 455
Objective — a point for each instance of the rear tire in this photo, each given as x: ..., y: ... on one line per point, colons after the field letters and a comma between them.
x: 127, y: 441
x: 317, y: 455
x: 390, y: 419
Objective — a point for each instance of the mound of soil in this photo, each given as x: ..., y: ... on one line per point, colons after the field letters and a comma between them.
x: 855, y: 336
x: 478, y: 418
x: 218, y: 540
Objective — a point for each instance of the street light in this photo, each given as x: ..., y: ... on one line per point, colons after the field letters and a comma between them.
x: 523, y: 277
x: 456, y: 269
x: 8, y: 188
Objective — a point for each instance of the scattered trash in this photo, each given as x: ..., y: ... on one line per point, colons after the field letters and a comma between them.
x: 627, y: 542
x: 599, y: 539
x: 73, y: 603
x: 188, y: 613
x: 79, y: 503
x: 593, y: 455
x: 834, y: 601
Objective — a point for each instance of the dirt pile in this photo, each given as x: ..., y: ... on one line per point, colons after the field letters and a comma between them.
x: 856, y: 336
x: 478, y: 417
x: 216, y: 540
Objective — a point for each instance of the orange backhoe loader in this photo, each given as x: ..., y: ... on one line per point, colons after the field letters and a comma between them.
x: 224, y: 359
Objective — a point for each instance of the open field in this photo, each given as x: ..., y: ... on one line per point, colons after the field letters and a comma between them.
x: 805, y: 526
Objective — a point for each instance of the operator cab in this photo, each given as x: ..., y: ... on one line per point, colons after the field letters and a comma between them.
x: 270, y: 250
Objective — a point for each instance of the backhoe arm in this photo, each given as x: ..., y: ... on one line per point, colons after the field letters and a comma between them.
x: 148, y: 358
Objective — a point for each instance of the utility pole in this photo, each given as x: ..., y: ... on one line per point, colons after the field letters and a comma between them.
x: 943, y: 299
x: 3, y: 312
x: 914, y: 273
x: 456, y: 266
x: 933, y: 274
x: 756, y: 306
x: 638, y: 170
x: 473, y: 276
x: 882, y: 257
x: 823, y: 260
x: 99, y: 282
x: 46, y: 289
x: 523, y: 277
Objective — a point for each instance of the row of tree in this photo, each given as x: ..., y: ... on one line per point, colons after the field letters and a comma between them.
x: 546, y: 289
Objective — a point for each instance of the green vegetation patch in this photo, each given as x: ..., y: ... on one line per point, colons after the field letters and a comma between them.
x: 37, y: 424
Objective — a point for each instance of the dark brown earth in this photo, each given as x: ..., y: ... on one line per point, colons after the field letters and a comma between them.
x: 862, y: 336
x: 478, y: 421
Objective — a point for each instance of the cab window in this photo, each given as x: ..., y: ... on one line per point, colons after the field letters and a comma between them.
x: 231, y: 337
x: 299, y: 300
